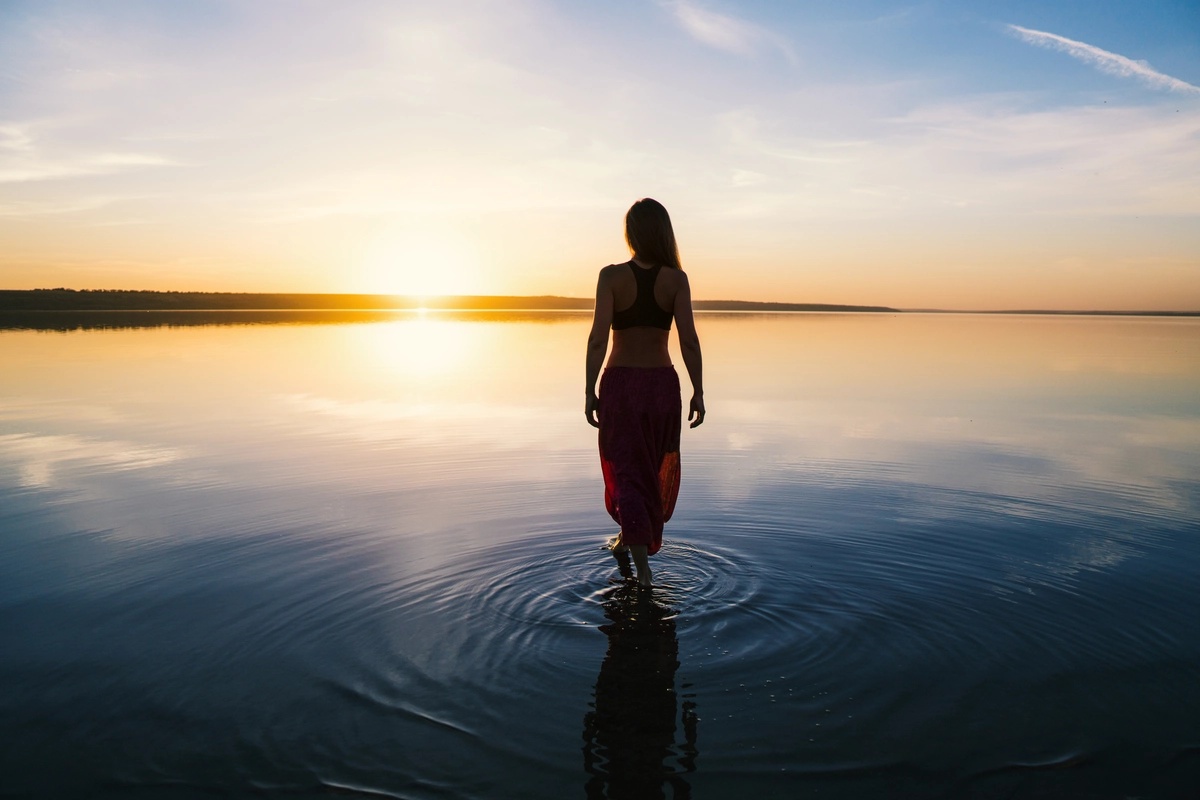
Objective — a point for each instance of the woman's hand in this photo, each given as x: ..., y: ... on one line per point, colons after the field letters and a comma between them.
x: 590, y: 407
x: 696, y: 409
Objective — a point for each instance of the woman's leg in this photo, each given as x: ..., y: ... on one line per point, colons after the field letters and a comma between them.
x: 642, y: 562
x: 621, y: 554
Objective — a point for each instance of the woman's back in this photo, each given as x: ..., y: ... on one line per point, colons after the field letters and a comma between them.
x: 642, y: 345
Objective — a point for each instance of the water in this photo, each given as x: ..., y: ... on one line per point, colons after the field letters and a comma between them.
x: 913, y: 556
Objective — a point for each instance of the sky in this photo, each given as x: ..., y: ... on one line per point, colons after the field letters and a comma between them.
x: 969, y: 155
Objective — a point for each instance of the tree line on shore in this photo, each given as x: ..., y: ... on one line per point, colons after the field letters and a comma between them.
x: 62, y: 299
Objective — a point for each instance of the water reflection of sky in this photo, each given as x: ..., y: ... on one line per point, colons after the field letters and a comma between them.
x: 1023, y: 405
x: 1067, y: 411
x: 888, y: 525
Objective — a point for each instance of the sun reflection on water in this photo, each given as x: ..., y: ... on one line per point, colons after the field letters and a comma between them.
x: 420, y: 348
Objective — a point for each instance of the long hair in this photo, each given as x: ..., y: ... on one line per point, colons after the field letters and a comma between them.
x: 649, y: 233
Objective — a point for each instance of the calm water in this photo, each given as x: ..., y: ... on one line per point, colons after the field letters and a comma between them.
x: 914, y: 556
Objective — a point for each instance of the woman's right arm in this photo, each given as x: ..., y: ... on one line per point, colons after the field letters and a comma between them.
x: 597, y: 345
x: 689, y: 346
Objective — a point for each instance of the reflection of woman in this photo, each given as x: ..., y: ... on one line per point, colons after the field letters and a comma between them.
x: 630, y: 733
x: 638, y: 405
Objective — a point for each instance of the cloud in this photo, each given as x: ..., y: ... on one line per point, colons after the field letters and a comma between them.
x: 991, y: 154
x: 68, y: 205
x: 727, y: 33
x: 745, y: 177
x: 15, y: 137
x: 1103, y: 60
x: 44, y: 170
x: 23, y: 160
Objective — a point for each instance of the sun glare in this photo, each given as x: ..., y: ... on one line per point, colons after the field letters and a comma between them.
x: 421, y: 263
x: 420, y: 349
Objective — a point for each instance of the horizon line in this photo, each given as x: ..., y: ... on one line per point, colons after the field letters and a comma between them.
x: 562, y: 303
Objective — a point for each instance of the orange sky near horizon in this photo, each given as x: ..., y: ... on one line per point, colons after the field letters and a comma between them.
x: 1026, y: 266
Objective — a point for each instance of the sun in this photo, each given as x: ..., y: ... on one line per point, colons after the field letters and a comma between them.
x: 421, y: 263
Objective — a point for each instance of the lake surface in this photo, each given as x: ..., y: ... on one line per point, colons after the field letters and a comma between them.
x: 362, y: 555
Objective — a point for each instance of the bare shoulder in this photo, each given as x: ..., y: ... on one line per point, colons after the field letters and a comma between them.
x: 677, y: 279
x: 607, y: 274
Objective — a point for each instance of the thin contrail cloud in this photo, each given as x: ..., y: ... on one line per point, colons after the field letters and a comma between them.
x: 727, y: 33
x: 1112, y: 63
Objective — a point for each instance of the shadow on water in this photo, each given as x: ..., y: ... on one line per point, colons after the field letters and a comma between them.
x: 630, y: 748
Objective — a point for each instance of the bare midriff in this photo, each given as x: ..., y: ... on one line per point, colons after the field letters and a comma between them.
x: 640, y: 347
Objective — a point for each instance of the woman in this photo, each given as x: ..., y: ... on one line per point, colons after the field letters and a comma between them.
x: 638, y: 406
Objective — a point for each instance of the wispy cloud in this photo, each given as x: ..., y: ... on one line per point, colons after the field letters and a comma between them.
x: 68, y: 205
x: 1112, y: 63
x: 24, y: 163
x: 15, y: 137
x: 728, y: 33
x: 990, y: 155
x: 99, y: 165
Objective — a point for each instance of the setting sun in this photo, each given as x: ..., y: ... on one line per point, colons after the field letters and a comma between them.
x: 420, y: 263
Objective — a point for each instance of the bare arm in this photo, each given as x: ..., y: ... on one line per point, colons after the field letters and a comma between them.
x: 597, y: 345
x: 689, y: 345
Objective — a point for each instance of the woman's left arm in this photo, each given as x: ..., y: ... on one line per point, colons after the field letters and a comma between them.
x: 689, y: 347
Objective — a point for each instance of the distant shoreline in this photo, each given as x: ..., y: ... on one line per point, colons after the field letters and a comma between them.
x: 71, y: 300
x: 122, y: 300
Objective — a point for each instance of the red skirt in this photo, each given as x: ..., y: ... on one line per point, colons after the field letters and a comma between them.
x: 640, y: 413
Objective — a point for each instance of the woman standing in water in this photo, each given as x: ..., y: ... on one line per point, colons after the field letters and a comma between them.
x: 638, y: 405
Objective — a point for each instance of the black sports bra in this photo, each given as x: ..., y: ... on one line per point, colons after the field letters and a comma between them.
x: 644, y: 312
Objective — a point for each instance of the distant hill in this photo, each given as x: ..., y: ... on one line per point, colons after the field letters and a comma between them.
x: 754, y: 305
x: 123, y: 300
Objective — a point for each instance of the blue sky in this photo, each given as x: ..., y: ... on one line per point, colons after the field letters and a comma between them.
x: 968, y: 155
